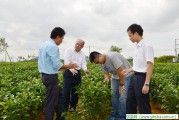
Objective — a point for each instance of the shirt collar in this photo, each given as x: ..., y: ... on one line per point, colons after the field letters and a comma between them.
x: 51, y: 40
x: 140, y: 43
x: 76, y: 51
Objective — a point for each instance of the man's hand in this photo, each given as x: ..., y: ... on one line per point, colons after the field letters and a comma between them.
x: 145, y: 89
x: 87, y: 72
x: 74, y: 72
x: 72, y: 66
x: 125, y: 72
x: 122, y: 89
x: 106, y: 80
x: 69, y: 66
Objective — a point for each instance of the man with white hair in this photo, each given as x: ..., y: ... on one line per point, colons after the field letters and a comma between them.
x: 72, y: 77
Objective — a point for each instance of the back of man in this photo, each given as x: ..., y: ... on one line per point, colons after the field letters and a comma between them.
x: 113, y: 61
x: 49, y: 64
x: 46, y: 63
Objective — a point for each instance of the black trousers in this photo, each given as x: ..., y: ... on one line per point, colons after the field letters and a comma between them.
x: 53, y: 98
x: 70, y: 84
x: 135, y: 97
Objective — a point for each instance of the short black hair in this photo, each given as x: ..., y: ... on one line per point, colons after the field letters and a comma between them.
x: 135, y: 28
x: 93, y: 56
x: 57, y: 31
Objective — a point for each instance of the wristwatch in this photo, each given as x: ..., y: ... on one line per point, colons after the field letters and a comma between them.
x: 147, y: 85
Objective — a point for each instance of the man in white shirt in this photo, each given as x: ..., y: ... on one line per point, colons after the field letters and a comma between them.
x: 72, y: 77
x: 143, y: 61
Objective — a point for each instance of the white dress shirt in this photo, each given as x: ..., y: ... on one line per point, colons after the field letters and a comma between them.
x: 143, y: 53
x: 71, y: 56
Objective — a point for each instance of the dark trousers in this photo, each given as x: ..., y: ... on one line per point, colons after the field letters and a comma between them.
x: 70, y: 84
x: 53, y: 98
x: 135, y: 97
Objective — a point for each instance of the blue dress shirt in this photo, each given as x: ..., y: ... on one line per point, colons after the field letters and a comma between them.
x: 49, y: 61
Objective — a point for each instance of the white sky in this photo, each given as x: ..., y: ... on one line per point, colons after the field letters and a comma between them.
x: 26, y: 24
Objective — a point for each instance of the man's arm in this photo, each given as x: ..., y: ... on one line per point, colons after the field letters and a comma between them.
x: 122, y: 80
x: 69, y: 66
x: 121, y: 77
x: 68, y: 61
x: 150, y: 65
x: 106, y: 77
x: 149, y: 72
x: 127, y: 71
x: 84, y: 64
x: 53, y: 52
x: 145, y: 88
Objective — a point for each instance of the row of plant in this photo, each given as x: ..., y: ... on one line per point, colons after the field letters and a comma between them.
x: 165, y: 86
x: 95, y: 97
x: 23, y: 94
x: 21, y: 91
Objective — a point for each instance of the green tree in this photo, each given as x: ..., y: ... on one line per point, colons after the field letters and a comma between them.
x: 3, y: 48
x: 165, y: 59
x: 3, y: 45
x: 115, y: 49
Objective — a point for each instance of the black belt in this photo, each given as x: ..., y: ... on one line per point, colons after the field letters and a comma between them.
x: 139, y: 73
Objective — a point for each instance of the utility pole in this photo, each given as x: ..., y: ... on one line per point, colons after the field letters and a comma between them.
x: 6, y: 54
x: 176, y: 47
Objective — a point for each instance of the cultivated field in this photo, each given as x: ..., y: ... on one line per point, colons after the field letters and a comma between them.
x: 22, y: 93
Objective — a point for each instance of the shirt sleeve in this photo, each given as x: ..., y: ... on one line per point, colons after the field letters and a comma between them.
x: 84, y: 66
x: 67, y: 57
x: 150, y: 54
x: 54, y: 56
x: 116, y: 61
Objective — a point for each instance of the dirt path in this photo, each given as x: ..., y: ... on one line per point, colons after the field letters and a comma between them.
x: 156, y: 109
x: 40, y: 116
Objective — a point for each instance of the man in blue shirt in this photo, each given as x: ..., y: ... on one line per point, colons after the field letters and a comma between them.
x: 49, y: 64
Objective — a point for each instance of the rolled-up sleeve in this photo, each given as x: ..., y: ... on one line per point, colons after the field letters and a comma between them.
x: 150, y: 54
x: 84, y: 66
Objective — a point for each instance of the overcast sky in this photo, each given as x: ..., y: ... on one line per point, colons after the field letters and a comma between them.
x: 26, y: 24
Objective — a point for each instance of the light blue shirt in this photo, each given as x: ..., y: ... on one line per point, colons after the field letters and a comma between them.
x: 49, y: 61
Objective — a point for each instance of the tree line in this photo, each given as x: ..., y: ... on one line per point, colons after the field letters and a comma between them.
x: 4, y: 46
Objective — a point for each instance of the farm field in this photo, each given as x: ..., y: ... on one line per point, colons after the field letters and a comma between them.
x: 22, y: 92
